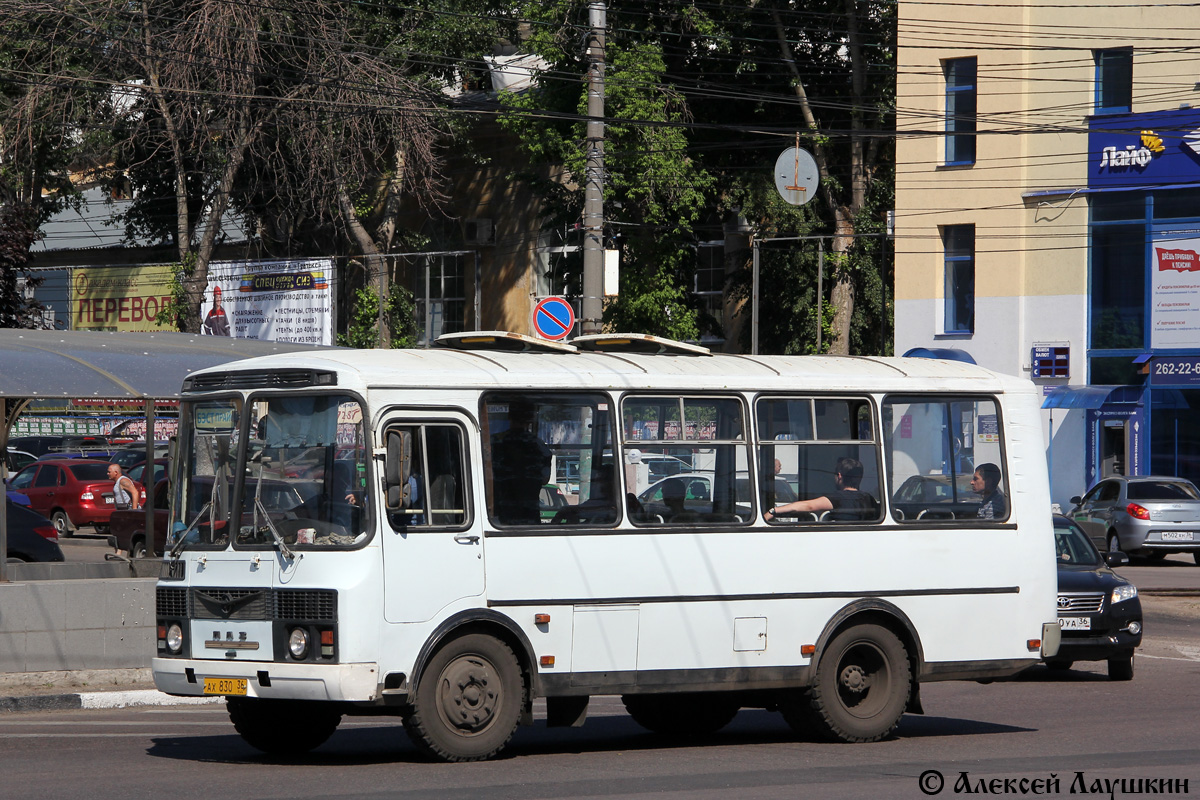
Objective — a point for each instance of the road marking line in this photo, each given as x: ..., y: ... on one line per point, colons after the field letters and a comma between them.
x: 1168, y: 658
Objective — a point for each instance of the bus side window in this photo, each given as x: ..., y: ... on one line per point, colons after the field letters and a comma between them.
x: 945, y: 460
x: 426, y: 486
x: 816, y: 449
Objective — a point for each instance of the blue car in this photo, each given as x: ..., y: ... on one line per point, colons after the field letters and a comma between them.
x: 31, y: 537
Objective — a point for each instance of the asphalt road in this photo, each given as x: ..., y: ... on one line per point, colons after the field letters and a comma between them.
x: 1036, y: 726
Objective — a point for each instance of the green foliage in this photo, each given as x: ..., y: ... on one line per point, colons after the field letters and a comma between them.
x: 174, y: 311
x: 362, y: 331
x: 18, y: 231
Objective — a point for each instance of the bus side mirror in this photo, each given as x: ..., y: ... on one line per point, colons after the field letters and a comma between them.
x: 397, y: 467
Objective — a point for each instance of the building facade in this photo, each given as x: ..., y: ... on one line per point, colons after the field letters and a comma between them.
x: 1048, y: 217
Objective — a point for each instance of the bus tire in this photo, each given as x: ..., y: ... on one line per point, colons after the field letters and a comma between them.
x: 862, y: 685
x: 468, y: 702
x: 690, y: 714
x: 282, y: 727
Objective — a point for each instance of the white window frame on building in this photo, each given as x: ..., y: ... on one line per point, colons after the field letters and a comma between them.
x: 434, y: 295
x: 708, y: 283
x: 958, y: 242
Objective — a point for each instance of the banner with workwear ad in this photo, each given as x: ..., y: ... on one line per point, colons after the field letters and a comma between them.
x: 284, y: 301
x: 1175, y: 293
x: 120, y: 298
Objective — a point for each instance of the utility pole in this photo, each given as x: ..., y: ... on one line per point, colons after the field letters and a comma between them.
x: 593, y: 201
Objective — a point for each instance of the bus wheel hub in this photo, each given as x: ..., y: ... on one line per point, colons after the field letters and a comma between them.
x: 468, y: 699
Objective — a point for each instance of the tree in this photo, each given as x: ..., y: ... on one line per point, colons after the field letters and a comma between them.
x: 261, y: 106
x: 654, y: 191
x: 694, y: 95
x: 18, y: 230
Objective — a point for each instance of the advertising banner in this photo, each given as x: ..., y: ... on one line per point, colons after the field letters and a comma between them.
x: 124, y: 299
x: 1174, y: 293
x: 284, y: 301
x: 1146, y: 149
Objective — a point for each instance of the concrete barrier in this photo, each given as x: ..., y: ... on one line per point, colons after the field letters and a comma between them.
x: 55, y: 624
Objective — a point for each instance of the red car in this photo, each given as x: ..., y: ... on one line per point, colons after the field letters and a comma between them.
x: 72, y: 492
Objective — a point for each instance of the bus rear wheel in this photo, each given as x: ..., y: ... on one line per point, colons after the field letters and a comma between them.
x: 282, y: 727
x: 694, y: 714
x: 862, y: 686
x: 468, y: 701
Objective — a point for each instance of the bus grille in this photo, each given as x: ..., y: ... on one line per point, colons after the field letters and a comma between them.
x: 294, y: 605
x: 172, y: 602
x: 1089, y: 603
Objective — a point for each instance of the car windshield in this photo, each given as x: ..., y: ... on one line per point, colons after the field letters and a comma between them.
x: 1162, y: 490
x: 1072, y: 546
x: 89, y: 472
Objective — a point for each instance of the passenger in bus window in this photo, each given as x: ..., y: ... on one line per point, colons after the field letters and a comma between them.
x: 674, y: 495
x: 986, y: 484
x: 520, y: 467
x: 847, y: 502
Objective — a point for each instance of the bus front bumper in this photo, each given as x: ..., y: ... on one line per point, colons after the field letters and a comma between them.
x: 194, y: 678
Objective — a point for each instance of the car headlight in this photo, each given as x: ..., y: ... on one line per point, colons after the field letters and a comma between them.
x: 1124, y: 592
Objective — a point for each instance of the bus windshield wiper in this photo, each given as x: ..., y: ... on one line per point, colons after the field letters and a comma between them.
x: 180, y: 543
x: 280, y: 543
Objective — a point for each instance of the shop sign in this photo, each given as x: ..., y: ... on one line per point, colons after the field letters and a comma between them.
x: 1126, y: 150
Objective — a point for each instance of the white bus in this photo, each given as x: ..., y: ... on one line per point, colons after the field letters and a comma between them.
x: 359, y: 532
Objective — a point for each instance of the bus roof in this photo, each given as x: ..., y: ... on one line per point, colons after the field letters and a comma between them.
x: 364, y: 370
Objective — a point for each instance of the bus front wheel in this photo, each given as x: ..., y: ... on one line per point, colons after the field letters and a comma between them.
x: 282, y: 727
x: 862, y: 685
x: 468, y: 701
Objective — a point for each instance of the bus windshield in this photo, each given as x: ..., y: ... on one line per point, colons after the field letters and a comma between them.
x: 304, y: 484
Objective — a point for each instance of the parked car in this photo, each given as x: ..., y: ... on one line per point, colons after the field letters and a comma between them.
x: 71, y: 492
x: 134, y: 454
x: 31, y: 537
x: 698, y: 497
x: 1145, y: 515
x: 935, y: 497
x: 137, y: 473
x: 16, y: 460
x: 37, y: 445
x: 127, y: 529
x: 1098, y: 610
x: 550, y: 500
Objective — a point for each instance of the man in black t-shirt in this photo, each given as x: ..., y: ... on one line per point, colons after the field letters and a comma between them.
x: 846, y: 503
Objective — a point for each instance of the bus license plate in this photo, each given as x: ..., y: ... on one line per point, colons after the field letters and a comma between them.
x: 1176, y: 536
x: 225, y: 686
x: 1067, y: 624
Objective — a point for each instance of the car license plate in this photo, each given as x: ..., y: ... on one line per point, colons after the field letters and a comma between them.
x: 1176, y: 536
x: 225, y: 686
x: 1066, y: 623
x: 108, y: 500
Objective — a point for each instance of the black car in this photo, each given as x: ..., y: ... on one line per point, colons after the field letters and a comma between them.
x: 31, y: 537
x: 1098, y: 610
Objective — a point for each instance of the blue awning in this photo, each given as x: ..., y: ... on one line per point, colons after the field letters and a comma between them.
x: 1091, y: 396
x: 946, y: 353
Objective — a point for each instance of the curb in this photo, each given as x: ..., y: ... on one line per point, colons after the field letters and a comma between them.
x: 80, y: 700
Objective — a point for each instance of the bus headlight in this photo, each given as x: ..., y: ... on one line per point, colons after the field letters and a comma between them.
x: 175, y: 638
x: 298, y: 643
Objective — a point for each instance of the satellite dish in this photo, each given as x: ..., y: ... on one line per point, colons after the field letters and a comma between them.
x: 796, y: 176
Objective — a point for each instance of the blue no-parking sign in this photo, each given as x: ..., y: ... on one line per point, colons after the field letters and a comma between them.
x: 553, y: 318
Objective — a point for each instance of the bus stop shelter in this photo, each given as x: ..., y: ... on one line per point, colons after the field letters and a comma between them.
x: 137, y: 367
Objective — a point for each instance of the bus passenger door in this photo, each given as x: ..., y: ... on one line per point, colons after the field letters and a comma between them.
x: 432, y: 547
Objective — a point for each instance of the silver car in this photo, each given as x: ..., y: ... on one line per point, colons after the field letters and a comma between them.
x: 1142, y: 515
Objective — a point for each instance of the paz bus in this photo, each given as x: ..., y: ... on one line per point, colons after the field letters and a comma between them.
x: 359, y: 533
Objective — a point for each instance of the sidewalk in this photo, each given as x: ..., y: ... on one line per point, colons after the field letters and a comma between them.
x: 105, y: 688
